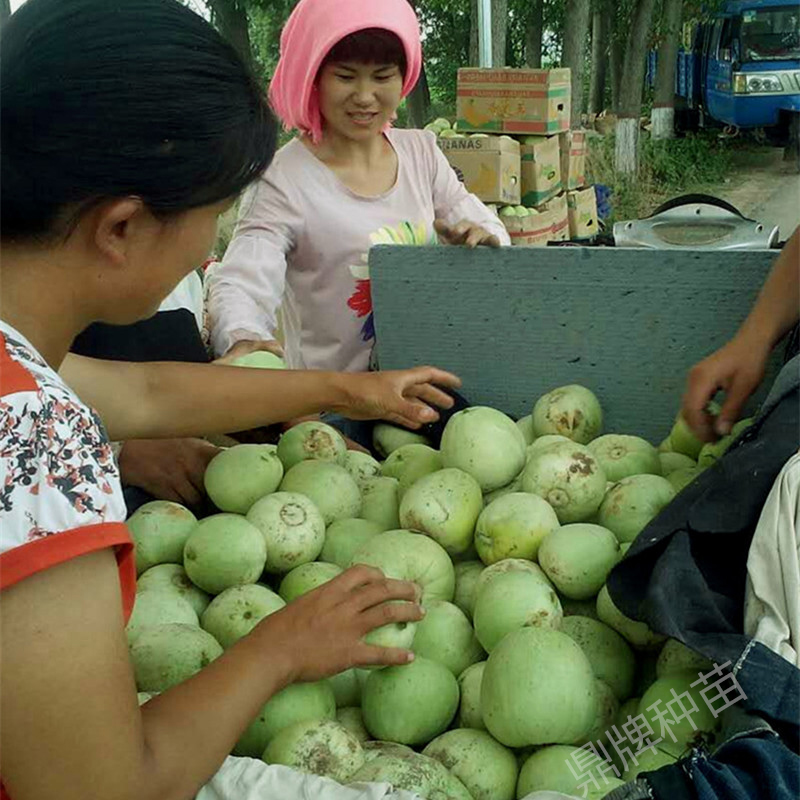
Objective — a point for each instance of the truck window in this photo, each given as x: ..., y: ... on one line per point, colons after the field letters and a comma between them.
x: 771, y: 34
x: 725, y: 46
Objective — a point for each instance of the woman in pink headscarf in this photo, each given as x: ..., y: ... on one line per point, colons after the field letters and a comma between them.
x: 348, y: 181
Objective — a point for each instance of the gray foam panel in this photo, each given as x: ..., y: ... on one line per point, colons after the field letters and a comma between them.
x: 517, y: 322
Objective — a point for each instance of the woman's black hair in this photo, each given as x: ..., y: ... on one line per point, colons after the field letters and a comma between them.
x: 370, y: 46
x: 103, y: 99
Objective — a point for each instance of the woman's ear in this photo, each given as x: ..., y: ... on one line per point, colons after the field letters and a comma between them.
x: 115, y: 224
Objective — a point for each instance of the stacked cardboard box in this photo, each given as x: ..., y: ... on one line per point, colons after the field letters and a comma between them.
x: 573, y: 146
x: 522, y: 101
x: 582, y: 206
x: 489, y: 166
x: 548, y: 223
x: 541, y: 169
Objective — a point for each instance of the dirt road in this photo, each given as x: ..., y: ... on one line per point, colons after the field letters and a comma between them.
x: 768, y: 192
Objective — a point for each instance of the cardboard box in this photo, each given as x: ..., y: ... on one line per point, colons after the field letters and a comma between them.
x: 582, y: 207
x: 573, y: 159
x: 489, y: 167
x: 550, y: 223
x: 524, y: 101
x: 541, y: 169
x: 535, y: 230
x: 559, y: 216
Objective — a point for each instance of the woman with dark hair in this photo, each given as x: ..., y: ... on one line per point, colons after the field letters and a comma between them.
x: 348, y: 181
x: 127, y: 127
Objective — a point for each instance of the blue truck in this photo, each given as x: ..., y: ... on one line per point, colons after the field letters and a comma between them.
x: 740, y: 68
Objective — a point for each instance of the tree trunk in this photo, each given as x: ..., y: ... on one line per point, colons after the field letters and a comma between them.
x: 616, y: 55
x: 5, y: 10
x: 600, y: 29
x: 419, y: 101
x: 534, y: 35
x: 664, y: 98
x: 630, y: 97
x: 474, y: 35
x: 499, y: 32
x: 230, y: 19
x: 576, y: 29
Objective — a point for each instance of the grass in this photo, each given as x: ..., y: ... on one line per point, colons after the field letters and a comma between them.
x: 667, y: 168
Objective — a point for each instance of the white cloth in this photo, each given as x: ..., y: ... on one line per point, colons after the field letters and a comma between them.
x: 251, y: 779
x: 187, y: 294
x: 772, y: 591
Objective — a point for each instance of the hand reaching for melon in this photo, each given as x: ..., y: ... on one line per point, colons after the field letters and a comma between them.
x: 245, y: 347
x: 321, y: 633
x: 465, y: 233
x: 404, y: 397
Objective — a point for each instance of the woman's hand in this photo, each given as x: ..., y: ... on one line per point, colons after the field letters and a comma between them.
x: 465, y: 233
x: 403, y: 397
x: 168, y: 469
x: 246, y: 346
x: 321, y: 633
x: 737, y: 368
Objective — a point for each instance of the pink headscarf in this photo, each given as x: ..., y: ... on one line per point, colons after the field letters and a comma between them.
x: 310, y: 33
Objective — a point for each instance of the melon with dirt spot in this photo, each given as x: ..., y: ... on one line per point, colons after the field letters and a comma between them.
x: 409, y: 556
x: 469, y: 709
x: 306, y: 578
x: 444, y: 505
x: 311, y: 440
x: 174, y: 578
x: 678, y: 723
x: 240, y: 475
x: 572, y: 411
x: 233, y: 613
x: 346, y: 688
x: 388, y: 438
x: 677, y: 657
x: 350, y: 718
x: 671, y: 462
x: 577, y: 558
x: 298, y: 702
x: 411, y: 462
x: 538, y: 688
x: 380, y: 502
x: 632, y: 503
x: 344, y: 537
x: 329, y: 486
x: 486, y: 444
x: 318, y: 747
x: 569, y: 478
x: 159, y: 606
x: 467, y: 574
x: 159, y: 531
x: 482, y: 764
x: 609, y: 654
x: 514, y: 600
x: 445, y: 635
x: 293, y: 529
x: 514, y: 526
x: 565, y: 769
x: 166, y: 655
x: 621, y: 455
x: 409, y: 704
x: 414, y: 773
x: 224, y: 550
x: 361, y: 466
x: 635, y: 632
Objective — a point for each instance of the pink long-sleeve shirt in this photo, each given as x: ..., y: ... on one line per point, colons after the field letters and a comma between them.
x: 301, y: 244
